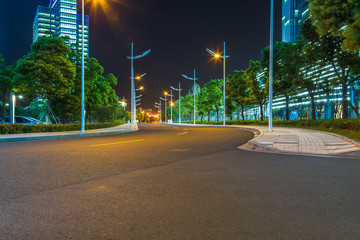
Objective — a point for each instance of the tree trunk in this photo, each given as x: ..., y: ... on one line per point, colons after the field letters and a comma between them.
x: 261, y: 112
x: 287, y: 115
x: 48, y: 112
x: 313, y: 107
x: 344, y: 101
x: 217, y: 115
x: 202, y: 116
x: 242, y: 112
x: 209, y: 112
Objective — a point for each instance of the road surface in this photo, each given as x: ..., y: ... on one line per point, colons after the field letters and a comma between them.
x: 166, y: 182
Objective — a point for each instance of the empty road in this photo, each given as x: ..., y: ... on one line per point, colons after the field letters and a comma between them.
x: 165, y: 182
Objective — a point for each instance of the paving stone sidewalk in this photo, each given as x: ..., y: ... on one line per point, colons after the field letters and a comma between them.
x: 305, y: 141
x: 296, y: 141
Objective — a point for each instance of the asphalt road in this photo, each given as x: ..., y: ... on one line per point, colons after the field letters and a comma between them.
x: 166, y: 182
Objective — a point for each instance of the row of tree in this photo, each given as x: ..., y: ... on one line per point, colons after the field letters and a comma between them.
x: 51, y: 73
x: 329, y: 43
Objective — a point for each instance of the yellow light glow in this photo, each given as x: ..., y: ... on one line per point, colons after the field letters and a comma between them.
x: 141, y: 88
x: 217, y: 55
x: 138, y: 78
x: 165, y: 93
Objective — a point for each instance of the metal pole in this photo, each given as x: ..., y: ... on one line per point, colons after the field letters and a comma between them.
x: 82, y: 74
x: 194, y: 98
x: 165, y: 109
x: 132, y: 86
x: 160, y: 110
x: 224, y: 88
x: 271, y: 66
x: 171, y: 102
x: 179, y: 103
x: 12, y: 107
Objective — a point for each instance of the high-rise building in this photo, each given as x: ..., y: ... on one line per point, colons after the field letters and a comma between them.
x: 61, y: 19
x: 293, y: 14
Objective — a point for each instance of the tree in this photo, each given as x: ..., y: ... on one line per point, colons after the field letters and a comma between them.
x: 286, y: 70
x: 257, y: 91
x: 7, y: 75
x: 205, y: 104
x: 214, y: 95
x: 99, y: 93
x: 346, y: 64
x: 46, y: 71
x: 237, y: 89
x: 339, y: 18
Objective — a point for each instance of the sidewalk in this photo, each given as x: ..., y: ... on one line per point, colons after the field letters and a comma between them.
x: 297, y: 141
x: 304, y: 141
x: 70, y: 134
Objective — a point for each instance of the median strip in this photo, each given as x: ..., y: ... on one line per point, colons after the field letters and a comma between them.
x: 107, y: 144
x: 182, y: 133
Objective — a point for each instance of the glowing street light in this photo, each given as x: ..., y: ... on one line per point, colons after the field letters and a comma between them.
x: 171, y: 104
x: 179, y: 90
x: 193, y: 79
x: 216, y: 55
x: 133, y: 102
x: 165, y: 99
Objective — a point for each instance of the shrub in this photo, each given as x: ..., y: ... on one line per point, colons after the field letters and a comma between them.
x: 17, y: 128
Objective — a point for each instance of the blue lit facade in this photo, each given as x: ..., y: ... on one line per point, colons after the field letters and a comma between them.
x: 61, y: 19
x: 293, y: 14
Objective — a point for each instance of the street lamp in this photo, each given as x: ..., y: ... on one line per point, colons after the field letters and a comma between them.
x: 165, y: 99
x: 193, y: 79
x: 158, y: 106
x: 179, y: 90
x: 271, y: 65
x: 133, y: 103
x: 171, y: 104
x: 82, y: 69
x: 216, y: 55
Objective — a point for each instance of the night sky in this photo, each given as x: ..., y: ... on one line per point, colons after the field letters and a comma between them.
x: 176, y: 31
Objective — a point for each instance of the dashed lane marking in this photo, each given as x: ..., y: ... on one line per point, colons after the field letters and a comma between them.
x: 182, y: 133
x: 114, y: 143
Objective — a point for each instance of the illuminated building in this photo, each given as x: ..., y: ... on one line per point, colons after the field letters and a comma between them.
x: 61, y: 19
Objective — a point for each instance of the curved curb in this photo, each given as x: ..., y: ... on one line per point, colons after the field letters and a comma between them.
x: 69, y: 135
x: 258, y: 131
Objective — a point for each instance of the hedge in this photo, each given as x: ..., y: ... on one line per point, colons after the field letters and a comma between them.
x: 18, y: 128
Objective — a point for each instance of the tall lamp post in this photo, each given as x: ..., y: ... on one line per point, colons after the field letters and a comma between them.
x: 193, y: 79
x: 271, y: 65
x: 165, y: 106
x: 179, y: 90
x: 82, y: 70
x: 164, y: 99
x: 216, y: 55
x: 133, y: 102
x: 171, y: 105
x: 158, y: 106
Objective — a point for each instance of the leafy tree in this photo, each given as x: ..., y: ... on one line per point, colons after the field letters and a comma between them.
x: 257, y: 90
x: 7, y: 75
x: 345, y: 64
x: 205, y: 104
x: 339, y: 18
x: 231, y: 107
x: 214, y: 95
x: 46, y: 71
x: 286, y: 70
x: 237, y: 89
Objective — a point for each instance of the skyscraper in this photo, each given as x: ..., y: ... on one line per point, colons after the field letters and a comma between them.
x: 293, y: 12
x: 61, y: 19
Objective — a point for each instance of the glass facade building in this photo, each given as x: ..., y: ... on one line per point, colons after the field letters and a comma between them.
x: 61, y: 19
x: 293, y: 14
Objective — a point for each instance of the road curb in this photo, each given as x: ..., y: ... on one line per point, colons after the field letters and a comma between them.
x: 68, y: 135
